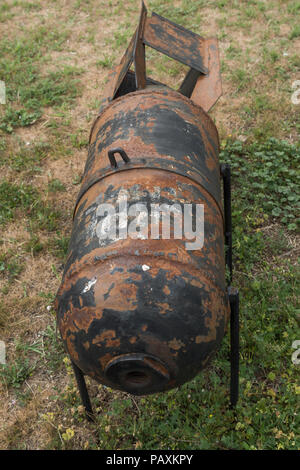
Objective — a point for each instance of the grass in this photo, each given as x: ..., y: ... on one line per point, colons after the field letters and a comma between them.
x: 15, y: 374
x: 55, y: 67
x: 13, y: 196
x: 28, y: 89
x: 55, y: 89
x: 270, y: 169
x: 10, y: 265
x: 26, y: 157
x: 25, y: 197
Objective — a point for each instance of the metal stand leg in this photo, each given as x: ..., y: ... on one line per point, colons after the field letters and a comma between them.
x: 234, y: 345
x: 84, y: 394
x: 226, y: 174
x: 233, y: 293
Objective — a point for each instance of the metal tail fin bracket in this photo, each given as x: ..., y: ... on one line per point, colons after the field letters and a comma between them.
x: 202, y: 83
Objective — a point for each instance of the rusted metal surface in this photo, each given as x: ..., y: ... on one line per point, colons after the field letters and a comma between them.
x: 175, y: 41
x: 139, y: 51
x: 202, y: 83
x: 208, y: 88
x: 135, y: 52
x: 175, y: 311
x: 145, y: 315
x: 205, y: 90
x: 144, y: 124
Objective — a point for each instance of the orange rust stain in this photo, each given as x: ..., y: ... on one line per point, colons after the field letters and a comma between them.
x: 123, y: 295
x: 132, y: 340
x: 160, y: 349
x: 71, y: 349
x: 202, y: 339
x: 163, y: 308
x: 166, y: 290
x: 144, y: 327
x: 86, y: 345
x: 175, y: 344
x: 147, y: 99
x: 81, y: 319
x: 109, y: 337
x: 210, y: 163
x: 105, y: 359
x: 156, y: 365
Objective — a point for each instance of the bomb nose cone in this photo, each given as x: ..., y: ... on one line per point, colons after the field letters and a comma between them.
x: 138, y: 374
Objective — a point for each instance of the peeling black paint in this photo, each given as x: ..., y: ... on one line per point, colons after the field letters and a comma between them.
x: 171, y: 135
x: 174, y: 311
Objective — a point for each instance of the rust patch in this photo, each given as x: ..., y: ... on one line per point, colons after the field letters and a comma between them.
x: 208, y: 88
x: 105, y: 359
x: 132, y: 340
x: 175, y: 41
x: 166, y: 290
x: 163, y: 308
x: 71, y: 348
x: 156, y: 365
x: 108, y: 337
x: 176, y: 344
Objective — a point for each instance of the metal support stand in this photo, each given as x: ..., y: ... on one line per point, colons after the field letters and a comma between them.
x: 226, y: 174
x: 233, y: 293
x: 234, y: 345
x: 84, y: 394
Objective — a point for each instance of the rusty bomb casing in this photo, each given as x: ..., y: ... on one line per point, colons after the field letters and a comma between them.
x: 145, y: 315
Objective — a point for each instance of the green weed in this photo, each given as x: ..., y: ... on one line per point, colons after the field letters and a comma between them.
x: 53, y: 348
x: 295, y: 32
x: 267, y: 179
x: 56, y: 185
x: 28, y: 157
x: 14, y: 374
x: 10, y: 265
x: 28, y: 91
x: 13, y: 196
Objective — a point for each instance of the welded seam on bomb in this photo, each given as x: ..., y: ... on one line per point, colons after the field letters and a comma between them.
x: 92, y: 182
x: 192, y: 270
x: 153, y: 92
